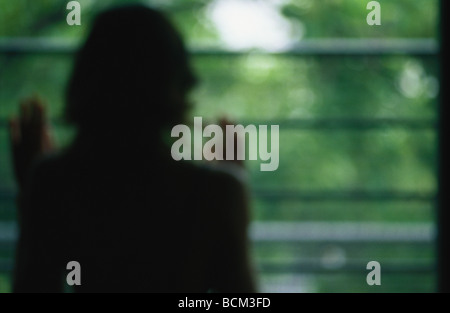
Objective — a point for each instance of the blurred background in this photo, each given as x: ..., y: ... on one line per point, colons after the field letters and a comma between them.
x: 357, y: 109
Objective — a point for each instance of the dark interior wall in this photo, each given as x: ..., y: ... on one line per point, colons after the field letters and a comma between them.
x: 443, y: 216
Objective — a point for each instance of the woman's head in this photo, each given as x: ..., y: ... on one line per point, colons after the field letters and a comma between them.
x: 132, y: 71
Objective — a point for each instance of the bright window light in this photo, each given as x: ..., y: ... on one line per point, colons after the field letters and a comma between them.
x: 245, y: 24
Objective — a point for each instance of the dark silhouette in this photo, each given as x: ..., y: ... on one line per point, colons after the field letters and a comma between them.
x: 115, y: 201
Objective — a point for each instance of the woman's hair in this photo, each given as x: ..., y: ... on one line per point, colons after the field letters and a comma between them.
x: 132, y: 71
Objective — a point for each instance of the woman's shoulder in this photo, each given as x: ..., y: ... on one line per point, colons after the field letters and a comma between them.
x: 226, y: 190
x: 214, y: 178
x: 224, y: 172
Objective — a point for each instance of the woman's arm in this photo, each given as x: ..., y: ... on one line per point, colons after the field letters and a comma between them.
x: 30, y: 138
x: 35, y: 270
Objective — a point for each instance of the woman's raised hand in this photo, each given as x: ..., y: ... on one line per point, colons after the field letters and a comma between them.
x: 30, y: 136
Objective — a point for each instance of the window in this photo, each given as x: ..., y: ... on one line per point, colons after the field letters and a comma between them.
x: 357, y: 108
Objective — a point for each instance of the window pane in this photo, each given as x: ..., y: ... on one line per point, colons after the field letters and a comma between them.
x: 357, y: 162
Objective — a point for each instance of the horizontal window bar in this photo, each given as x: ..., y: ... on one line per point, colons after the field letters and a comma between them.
x: 306, y: 47
x: 280, y: 268
x: 316, y: 195
x: 338, y: 195
x: 349, y: 123
x: 342, y: 232
x: 330, y: 232
x: 412, y: 124
x: 348, y: 268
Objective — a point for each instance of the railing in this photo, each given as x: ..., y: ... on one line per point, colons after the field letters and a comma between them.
x: 308, y: 232
x: 306, y: 47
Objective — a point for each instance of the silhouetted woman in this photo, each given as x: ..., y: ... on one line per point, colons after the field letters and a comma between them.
x: 115, y: 201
